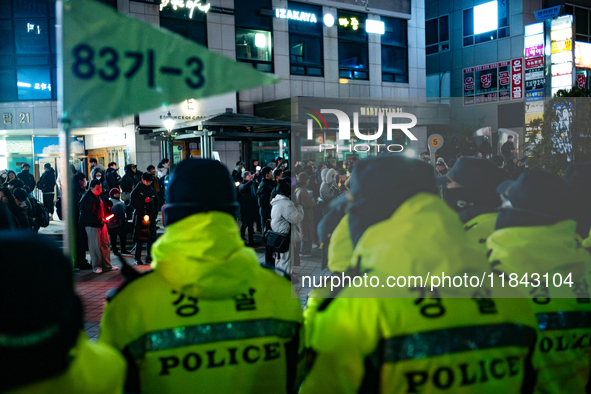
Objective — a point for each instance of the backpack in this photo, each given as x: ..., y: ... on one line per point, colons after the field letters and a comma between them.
x: 40, y: 213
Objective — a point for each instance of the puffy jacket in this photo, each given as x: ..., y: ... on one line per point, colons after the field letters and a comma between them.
x: 47, y: 181
x: 285, y: 215
x: 264, y: 196
x: 118, y: 210
x: 106, y: 376
x: 91, y: 214
x: 563, y: 350
x: 208, y: 318
x: 304, y: 198
x: 327, y: 192
x: 113, y: 178
x: 412, y: 339
x: 129, y: 180
x: 143, y: 230
x: 27, y: 178
x: 248, y: 201
x: 481, y: 227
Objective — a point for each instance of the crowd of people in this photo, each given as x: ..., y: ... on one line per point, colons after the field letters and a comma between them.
x: 209, y: 318
x: 22, y: 209
x: 110, y: 207
x: 288, y: 202
x: 508, y: 159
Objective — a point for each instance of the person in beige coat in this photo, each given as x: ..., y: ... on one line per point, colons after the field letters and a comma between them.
x: 304, y: 198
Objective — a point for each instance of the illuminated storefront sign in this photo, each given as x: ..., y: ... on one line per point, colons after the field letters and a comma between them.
x: 293, y: 15
x: 561, y: 35
x: 349, y: 22
x: 534, y: 62
x: 562, y: 69
x: 562, y: 46
x: 189, y: 4
x: 561, y: 49
x: 535, y: 51
x: 493, y: 82
x: 582, y: 54
x: 517, y: 79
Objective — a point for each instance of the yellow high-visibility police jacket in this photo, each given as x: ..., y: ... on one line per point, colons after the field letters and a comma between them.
x: 340, y: 251
x: 340, y: 248
x: 95, y: 369
x: 208, y: 318
x: 481, y: 227
x: 563, y: 351
x: 411, y: 340
x: 421, y: 345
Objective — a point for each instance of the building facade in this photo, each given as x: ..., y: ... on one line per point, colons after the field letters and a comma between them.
x: 482, y: 54
x: 323, y: 48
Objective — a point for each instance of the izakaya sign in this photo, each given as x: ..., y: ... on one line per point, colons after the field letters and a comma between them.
x: 301, y: 16
x: 493, y: 82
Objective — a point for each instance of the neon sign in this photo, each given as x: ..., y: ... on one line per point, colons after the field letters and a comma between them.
x: 352, y: 22
x: 190, y: 4
x: 301, y: 16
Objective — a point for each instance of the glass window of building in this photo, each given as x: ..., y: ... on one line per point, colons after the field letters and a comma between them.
x: 306, y: 41
x: 395, y: 50
x: 582, y: 21
x: 254, y: 40
x: 437, y: 35
x: 27, y: 50
x: 480, y: 25
x: 353, y: 46
x: 189, y: 23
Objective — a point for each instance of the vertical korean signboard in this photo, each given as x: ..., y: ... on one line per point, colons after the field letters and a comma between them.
x: 534, y: 60
x: 469, y: 86
x: 486, y: 83
x: 562, y: 53
x: 505, y: 81
x: 517, y: 79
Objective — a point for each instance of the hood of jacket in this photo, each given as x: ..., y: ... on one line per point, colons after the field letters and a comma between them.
x: 331, y: 175
x: 323, y: 174
x: 538, y: 249
x: 398, y: 245
x: 280, y: 199
x: 203, y: 256
x: 128, y: 170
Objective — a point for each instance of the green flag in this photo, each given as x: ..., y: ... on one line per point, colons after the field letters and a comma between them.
x: 115, y: 65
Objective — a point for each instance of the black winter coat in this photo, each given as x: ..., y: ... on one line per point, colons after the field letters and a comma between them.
x: 264, y: 196
x: 91, y: 214
x: 113, y: 179
x: 47, y: 181
x: 129, y: 181
x: 27, y: 178
x: 248, y: 202
x: 142, y: 230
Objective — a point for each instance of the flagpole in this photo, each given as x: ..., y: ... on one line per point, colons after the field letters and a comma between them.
x: 69, y: 217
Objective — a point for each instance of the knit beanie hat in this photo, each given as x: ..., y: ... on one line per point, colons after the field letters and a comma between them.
x: 199, y: 185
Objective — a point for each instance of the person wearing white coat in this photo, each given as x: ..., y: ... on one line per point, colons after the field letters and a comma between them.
x: 286, y: 215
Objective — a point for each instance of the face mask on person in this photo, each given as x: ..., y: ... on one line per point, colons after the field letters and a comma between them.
x: 98, y: 176
x: 96, y: 191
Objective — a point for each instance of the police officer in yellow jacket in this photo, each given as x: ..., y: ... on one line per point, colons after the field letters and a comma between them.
x: 535, y: 242
x: 403, y: 337
x: 208, y: 318
x: 471, y: 191
x: 43, y: 348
